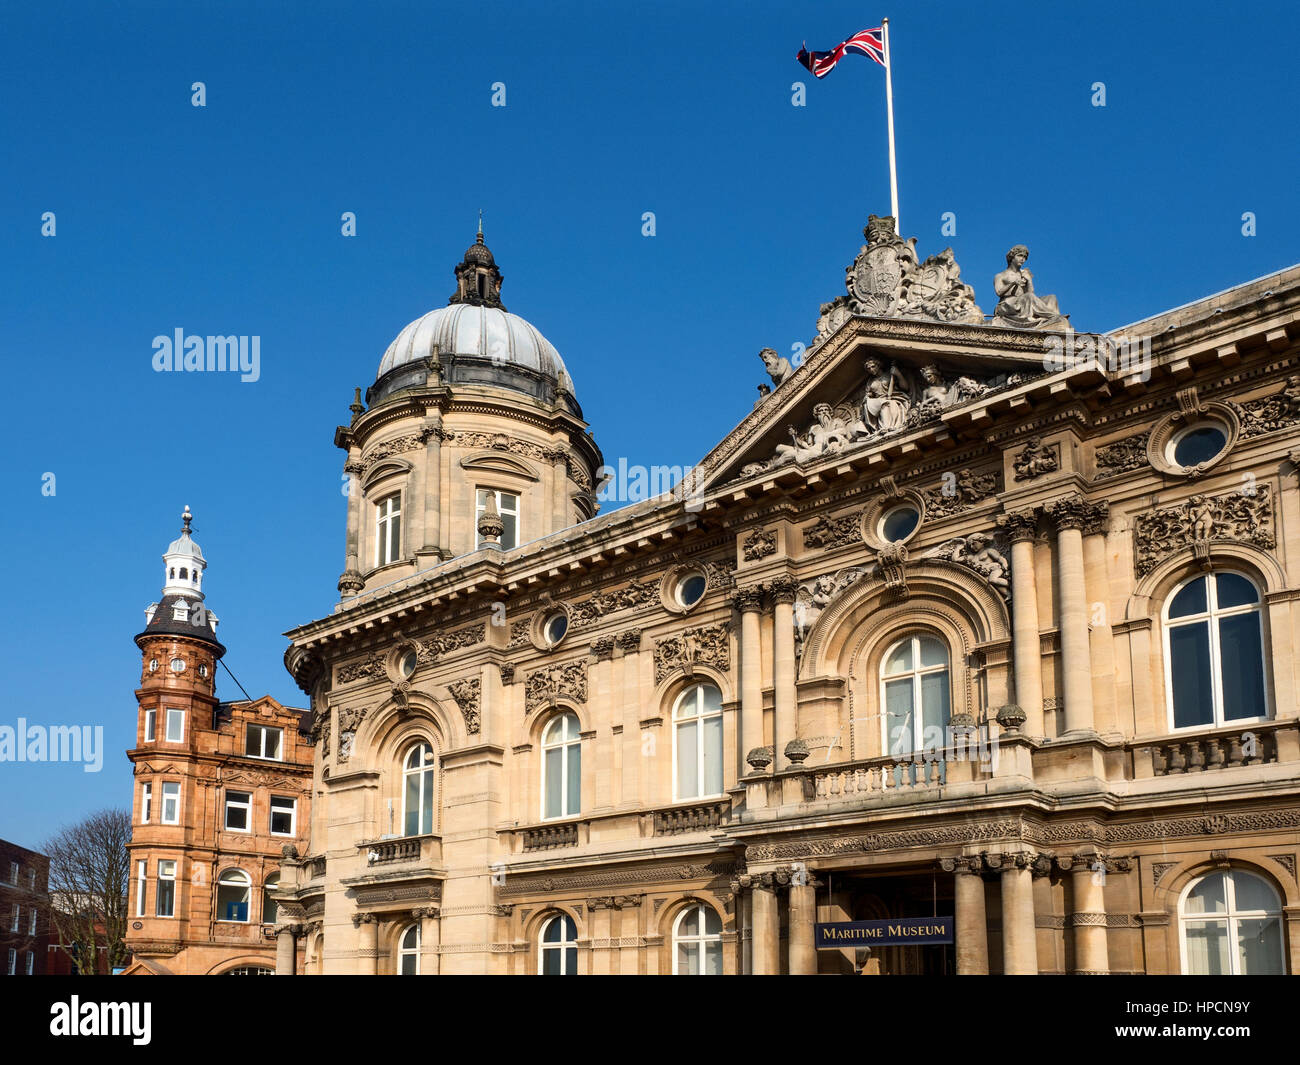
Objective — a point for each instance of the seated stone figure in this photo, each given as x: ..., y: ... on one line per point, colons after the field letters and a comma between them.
x: 1020, y: 306
x: 826, y: 435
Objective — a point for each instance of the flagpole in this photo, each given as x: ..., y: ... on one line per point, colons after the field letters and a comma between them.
x: 889, y: 103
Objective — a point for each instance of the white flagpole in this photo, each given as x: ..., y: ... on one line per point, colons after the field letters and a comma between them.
x: 889, y: 102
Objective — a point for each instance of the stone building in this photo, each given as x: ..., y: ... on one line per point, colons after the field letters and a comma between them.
x: 221, y: 789
x: 976, y: 616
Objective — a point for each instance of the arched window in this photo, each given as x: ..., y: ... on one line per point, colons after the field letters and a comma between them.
x: 1214, y: 652
x: 1231, y: 925
x: 697, y: 742
x: 234, y: 889
x: 408, y: 952
x: 558, y: 947
x: 417, y: 791
x: 270, y: 908
x: 697, y: 942
x: 914, y: 695
x: 561, y: 768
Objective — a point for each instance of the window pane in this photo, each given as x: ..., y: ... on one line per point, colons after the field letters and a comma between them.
x: 1208, y: 896
x: 933, y: 653
x: 554, y: 782
x: 688, y: 960
x: 1252, y: 893
x: 571, y: 961
x: 1199, y: 445
x: 688, y: 779
x: 412, y: 826
x: 710, y: 697
x: 272, y: 743
x: 410, y: 940
x: 510, y: 534
x: 1234, y: 590
x: 1259, y: 946
x: 1191, y: 600
x: 426, y: 807
x: 713, y: 755
x: 712, y: 922
x: 1243, y: 668
x: 408, y: 964
x: 713, y: 959
x: 898, y: 716
x: 1189, y: 653
x: 166, y: 898
x: 934, y: 700
x: 690, y: 922
x: 551, y: 962
x: 575, y: 779
x: 900, y: 659
x: 1207, y: 948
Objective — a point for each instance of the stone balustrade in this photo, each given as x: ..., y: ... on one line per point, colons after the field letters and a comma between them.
x: 550, y: 837
x: 1256, y: 744
x: 699, y: 817
x: 412, y: 850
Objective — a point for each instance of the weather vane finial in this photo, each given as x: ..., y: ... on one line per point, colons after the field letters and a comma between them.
x: 480, y: 225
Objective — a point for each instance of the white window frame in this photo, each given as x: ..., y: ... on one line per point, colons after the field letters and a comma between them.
x: 565, y: 746
x: 246, y: 883
x: 271, y: 883
x: 563, y: 946
x: 13, y: 873
x: 234, y: 801
x: 31, y: 922
x: 165, y: 878
x: 388, y: 529
x: 141, y: 879
x: 916, y: 674
x: 1212, y: 614
x: 175, y: 819
x: 263, y: 731
x: 293, y: 815
x: 427, y: 767
x: 31, y: 879
x: 404, y: 951
x: 151, y: 724
x: 700, y: 752
x: 1230, y: 918
x: 15, y: 918
x: 700, y: 942
x: 176, y: 714
x: 507, y: 504
x: 146, y: 802
x: 31, y: 960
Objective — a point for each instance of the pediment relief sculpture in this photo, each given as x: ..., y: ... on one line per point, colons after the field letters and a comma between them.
x: 979, y: 552
x: 1238, y: 516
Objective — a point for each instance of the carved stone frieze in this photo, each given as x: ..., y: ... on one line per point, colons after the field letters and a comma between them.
x: 389, y: 448
x: 349, y: 721
x: 978, y: 552
x: 707, y: 645
x: 545, y: 686
x: 816, y: 594
x: 603, y: 648
x: 966, y: 489
x: 759, y: 545
x: 1201, y: 520
x: 1122, y: 455
x: 1036, y: 460
x: 837, y: 531
x: 466, y: 693
x: 1270, y: 413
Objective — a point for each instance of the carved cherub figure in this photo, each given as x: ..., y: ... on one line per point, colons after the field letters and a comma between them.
x: 979, y: 553
x: 1200, y: 512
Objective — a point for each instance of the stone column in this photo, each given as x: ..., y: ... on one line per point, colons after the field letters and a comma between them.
x: 368, y: 950
x: 431, y: 540
x: 1088, y: 916
x: 767, y: 926
x: 1076, y: 656
x: 560, y: 501
x: 350, y: 582
x: 1019, y: 935
x: 784, y: 590
x: 749, y: 601
x: 742, y: 889
x: 803, y: 916
x: 1021, y: 528
x: 430, y: 939
x: 969, y: 914
x: 286, y: 949
x: 1101, y: 640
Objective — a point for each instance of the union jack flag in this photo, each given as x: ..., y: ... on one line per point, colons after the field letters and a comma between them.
x: 868, y: 43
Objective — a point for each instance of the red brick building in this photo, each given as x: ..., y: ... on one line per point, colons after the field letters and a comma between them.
x: 24, y: 910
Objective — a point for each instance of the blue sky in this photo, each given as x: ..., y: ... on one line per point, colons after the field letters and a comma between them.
x: 226, y: 219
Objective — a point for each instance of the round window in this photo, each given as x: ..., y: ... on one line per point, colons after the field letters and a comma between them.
x: 690, y: 589
x: 1198, y: 444
x: 898, y: 524
x: 153, y: 665
x: 407, y: 663
x: 203, y: 671
x: 555, y: 627
x: 178, y: 665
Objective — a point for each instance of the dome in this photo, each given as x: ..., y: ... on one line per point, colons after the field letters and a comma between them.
x: 491, y: 334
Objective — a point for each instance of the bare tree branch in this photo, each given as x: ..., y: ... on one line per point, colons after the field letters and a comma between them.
x: 89, y: 875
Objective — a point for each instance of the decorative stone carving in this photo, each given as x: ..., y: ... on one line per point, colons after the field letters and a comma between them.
x: 543, y: 687
x: 1019, y: 307
x: 388, y: 448
x: 886, y: 281
x: 636, y: 593
x: 1018, y: 525
x: 320, y: 732
x: 759, y: 545
x: 967, y: 489
x: 834, y: 532
x: 796, y: 751
x: 501, y: 442
x: 778, y: 368
x: 507, y: 672
x: 1122, y: 455
x: 1201, y: 520
x: 603, y: 648
x: 892, y: 562
x: 1035, y: 460
x: 813, y: 596
x: 349, y: 721
x: 707, y: 645
x: 760, y: 757
x: 1011, y: 717
x: 749, y: 599
x: 466, y: 694
x: 1270, y: 413
x: 427, y: 652
x: 630, y: 641
x: 978, y: 552
x: 784, y: 590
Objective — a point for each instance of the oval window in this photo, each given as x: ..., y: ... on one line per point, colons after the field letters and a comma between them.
x: 690, y: 589
x: 555, y: 627
x: 1198, y: 444
x: 178, y: 665
x: 898, y: 524
x: 408, y: 663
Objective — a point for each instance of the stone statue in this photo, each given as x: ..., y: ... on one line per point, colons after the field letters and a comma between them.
x: 977, y: 552
x: 826, y: 435
x: 1035, y: 460
x: 1200, y: 513
x: 778, y: 368
x: 1019, y: 306
x: 887, y: 399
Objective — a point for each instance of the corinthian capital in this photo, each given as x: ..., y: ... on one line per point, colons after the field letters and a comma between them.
x: 749, y: 599
x: 1068, y: 513
x: 784, y: 590
x: 1019, y: 525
